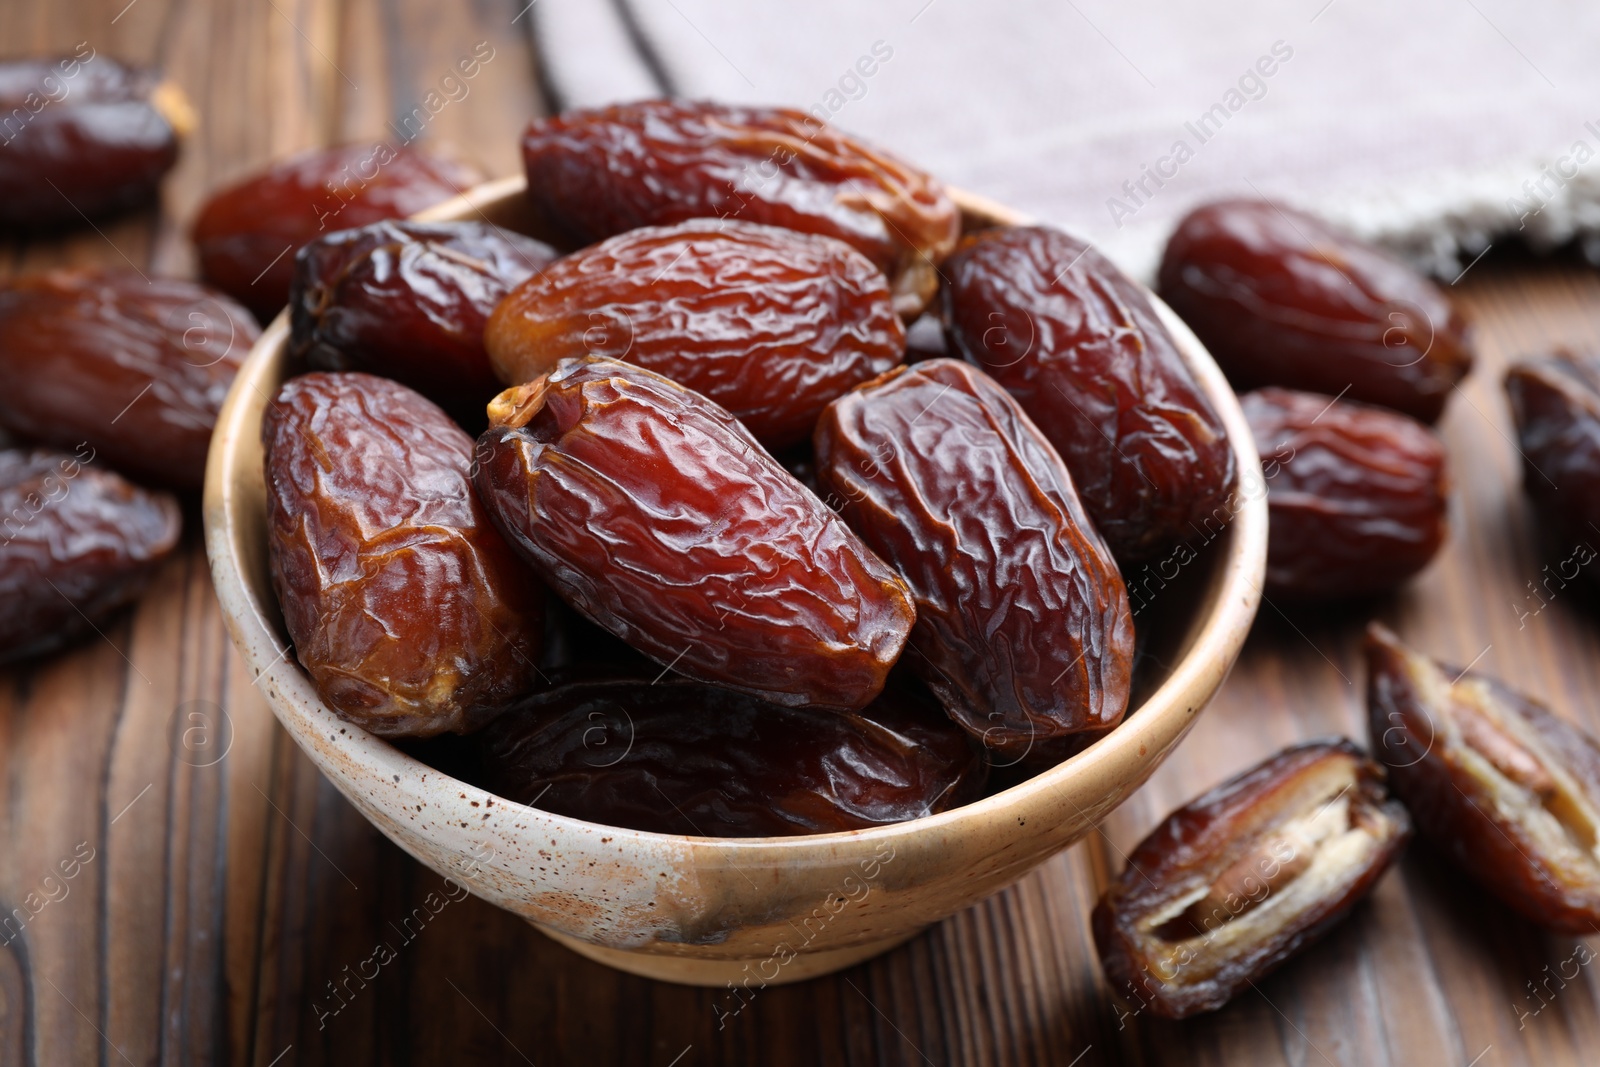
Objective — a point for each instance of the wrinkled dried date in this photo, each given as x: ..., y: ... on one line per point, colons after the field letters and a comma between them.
x: 1556, y: 404
x: 1508, y: 790
x: 247, y: 234
x: 594, y: 174
x: 1023, y: 627
x: 681, y: 757
x: 83, y: 136
x: 409, y: 300
x: 1358, y: 495
x: 655, y: 513
x: 1079, y: 345
x: 1282, y: 298
x: 407, y: 608
x: 1235, y: 882
x: 769, y: 323
x: 136, y: 367
x: 76, y: 543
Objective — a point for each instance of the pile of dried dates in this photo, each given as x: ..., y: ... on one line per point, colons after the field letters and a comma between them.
x: 669, y: 518
x: 111, y: 380
x: 1235, y: 882
x: 661, y: 508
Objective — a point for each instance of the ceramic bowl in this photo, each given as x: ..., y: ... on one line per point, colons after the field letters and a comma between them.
x: 752, y: 911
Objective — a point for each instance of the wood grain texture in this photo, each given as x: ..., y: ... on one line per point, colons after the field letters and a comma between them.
x: 234, y: 908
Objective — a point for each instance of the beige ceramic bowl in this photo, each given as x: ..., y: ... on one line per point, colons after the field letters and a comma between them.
x: 713, y: 911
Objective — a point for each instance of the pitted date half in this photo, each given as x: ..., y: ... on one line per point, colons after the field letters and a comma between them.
x: 680, y: 757
x: 1237, y: 881
x: 1282, y: 298
x: 247, y: 234
x: 136, y: 367
x: 409, y: 300
x: 76, y: 543
x: 1556, y: 404
x: 1358, y: 495
x: 1079, y: 345
x: 1505, y: 788
x: 407, y: 608
x: 654, y: 512
x: 769, y: 323
x: 593, y: 174
x: 83, y: 136
x: 1023, y: 628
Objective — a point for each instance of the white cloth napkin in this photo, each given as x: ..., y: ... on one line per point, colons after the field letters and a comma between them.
x: 1433, y: 126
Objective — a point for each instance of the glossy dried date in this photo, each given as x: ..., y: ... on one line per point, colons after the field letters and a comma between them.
x: 1506, y: 789
x: 1238, y: 880
x: 593, y: 174
x: 769, y: 323
x: 680, y: 757
x: 76, y: 543
x: 247, y: 234
x: 1556, y: 404
x: 1282, y: 298
x: 407, y: 608
x: 1358, y: 495
x: 1023, y: 627
x: 1079, y: 345
x: 83, y: 136
x: 409, y: 300
x: 654, y: 512
x: 136, y: 367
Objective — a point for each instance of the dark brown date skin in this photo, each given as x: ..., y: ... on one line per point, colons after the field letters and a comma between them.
x: 593, y: 174
x: 83, y: 136
x: 770, y: 323
x: 1023, y: 628
x: 407, y: 608
x: 1282, y: 298
x: 136, y: 367
x: 1358, y: 495
x: 652, y: 511
x: 1079, y: 345
x: 409, y: 300
x: 76, y: 543
x: 681, y: 757
x: 247, y: 234
x: 1494, y: 780
x: 1555, y: 401
x: 1237, y: 881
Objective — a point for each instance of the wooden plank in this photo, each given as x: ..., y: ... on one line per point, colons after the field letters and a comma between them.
x: 225, y: 900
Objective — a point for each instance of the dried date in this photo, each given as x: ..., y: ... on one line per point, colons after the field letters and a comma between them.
x: 593, y: 174
x: 652, y: 511
x: 1505, y: 788
x: 409, y: 300
x: 83, y: 136
x: 1023, y: 627
x: 76, y: 543
x: 1237, y: 881
x: 1282, y: 298
x: 1358, y: 495
x: 136, y: 367
x: 681, y: 757
x: 246, y: 235
x: 1079, y: 345
x: 1556, y: 404
x: 407, y: 608
x: 769, y: 323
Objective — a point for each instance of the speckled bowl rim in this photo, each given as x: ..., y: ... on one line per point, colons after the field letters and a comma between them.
x: 1143, y: 740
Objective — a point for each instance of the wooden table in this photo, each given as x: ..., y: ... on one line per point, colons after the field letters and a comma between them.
x: 222, y: 888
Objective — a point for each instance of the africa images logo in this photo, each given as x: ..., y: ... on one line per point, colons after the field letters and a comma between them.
x: 1251, y: 86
